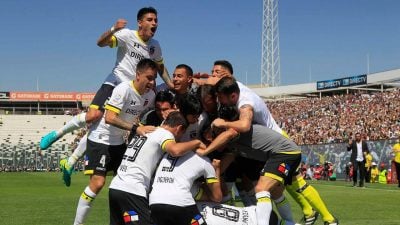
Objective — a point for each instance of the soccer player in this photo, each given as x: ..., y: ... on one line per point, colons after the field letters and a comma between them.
x: 133, y: 46
x: 105, y: 142
x: 164, y: 104
x: 171, y: 201
x: 282, y: 157
x: 129, y: 189
x: 252, y: 109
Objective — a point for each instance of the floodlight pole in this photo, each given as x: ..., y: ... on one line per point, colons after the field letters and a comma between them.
x: 270, y: 59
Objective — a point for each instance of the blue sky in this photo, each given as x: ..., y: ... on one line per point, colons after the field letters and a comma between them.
x: 54, y: 41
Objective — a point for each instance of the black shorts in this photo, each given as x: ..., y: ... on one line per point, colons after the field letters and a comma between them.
x: 163, y: 214
x: 127, y: 208
x: 102, y: 96
x: 281, y: 167
x: 243, y: 167
x: 101, y: 158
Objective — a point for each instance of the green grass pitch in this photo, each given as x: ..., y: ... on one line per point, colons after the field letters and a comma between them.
x: 42, y: 198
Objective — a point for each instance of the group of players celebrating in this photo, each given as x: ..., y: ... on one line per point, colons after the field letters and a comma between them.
x: 187, y: 144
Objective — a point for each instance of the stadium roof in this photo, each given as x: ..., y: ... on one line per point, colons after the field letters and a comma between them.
x: 375, y: 82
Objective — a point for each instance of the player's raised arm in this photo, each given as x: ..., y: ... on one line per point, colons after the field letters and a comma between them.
x: 106, y: 39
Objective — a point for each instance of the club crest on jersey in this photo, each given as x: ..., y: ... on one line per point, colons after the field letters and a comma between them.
x: 130, y: 216
x: 284, y: 168
x: 146, y: 102
x: 197, y: 220
x: 152, y: 49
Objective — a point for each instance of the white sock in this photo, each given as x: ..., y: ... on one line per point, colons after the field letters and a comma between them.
x: 75, y: 123
x: 264, y: 207
x: 283, y: 206
x: 78, y: 152
x: 84, y: 205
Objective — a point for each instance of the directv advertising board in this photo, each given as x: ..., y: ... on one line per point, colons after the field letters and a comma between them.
x: 343, y: 82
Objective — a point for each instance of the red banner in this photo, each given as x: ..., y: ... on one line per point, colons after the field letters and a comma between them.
x: 51, y: 96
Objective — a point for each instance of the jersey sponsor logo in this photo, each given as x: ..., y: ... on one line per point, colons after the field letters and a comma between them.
x: 132, y: 111
x: 168, y: 180
x: 146, y: 102
x: 100, y: 168
x: 152, y: 49
x: 137, y: 55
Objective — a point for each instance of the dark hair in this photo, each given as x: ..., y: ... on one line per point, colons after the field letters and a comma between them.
x: 144, y: 11
x: 175, y: 119
x: 165, y: 96
x: 188, y: 69
x: 227, y: 85
x: 189, y: 104
x: 228, y: 113
x: 224, y: 63
x: 206, y: 89
x: 145, y: 64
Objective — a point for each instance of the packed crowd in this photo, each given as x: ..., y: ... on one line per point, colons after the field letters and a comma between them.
x: 333, y: 119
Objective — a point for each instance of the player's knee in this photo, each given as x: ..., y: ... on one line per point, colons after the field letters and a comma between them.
x: 93, y: 115
x: 97, y: 183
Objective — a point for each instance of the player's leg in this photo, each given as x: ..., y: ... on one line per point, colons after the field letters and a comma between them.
x: 264, y: 206
x: 67, y: 165
x: 283, y: 206
x: 94, y: 113
x: 313, y: 197
x: 98, y: 160
x: 310, y: 216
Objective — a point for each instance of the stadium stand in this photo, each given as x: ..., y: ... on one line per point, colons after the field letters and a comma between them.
x: 20, y: 135
x: 332, y: 119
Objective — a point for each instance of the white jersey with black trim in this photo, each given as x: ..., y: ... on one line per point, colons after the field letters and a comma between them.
x: 217, y: 214
x: 262, y: 115
x: 194, y: 129
x: 128, y: 104
x: 175, y: 176
x: 139, y: 162
x: 131, y: 49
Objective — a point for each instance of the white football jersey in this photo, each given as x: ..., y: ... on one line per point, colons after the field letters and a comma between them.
x: 128, y: 103
x: 140, y: 161
x: 217, y: 214
x: 262, y: 115
x: 175, y: 176
x: 193, y: 130
x: 131, y: 49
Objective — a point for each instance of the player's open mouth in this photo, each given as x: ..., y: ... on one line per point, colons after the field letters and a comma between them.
x: 153, y: 29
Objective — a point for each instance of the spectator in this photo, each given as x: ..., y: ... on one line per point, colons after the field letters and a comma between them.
x: 396, y: 159
x: 383, y: 174
x: 368, y: 164
x: 358, y: 149
x: 331, y: 118
x: 374, y: 172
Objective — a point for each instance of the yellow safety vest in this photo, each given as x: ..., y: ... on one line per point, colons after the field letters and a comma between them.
x: 382, y: 177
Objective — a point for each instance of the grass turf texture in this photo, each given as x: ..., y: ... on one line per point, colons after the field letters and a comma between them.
x: 42, y: 198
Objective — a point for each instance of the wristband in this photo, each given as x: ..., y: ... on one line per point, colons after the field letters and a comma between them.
x: 112, y: 29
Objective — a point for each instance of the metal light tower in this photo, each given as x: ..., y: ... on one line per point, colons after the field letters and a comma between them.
x: 270, y: 62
